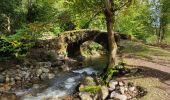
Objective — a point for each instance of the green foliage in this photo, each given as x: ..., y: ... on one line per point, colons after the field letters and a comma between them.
x: 91, y: 48
x: 11, y: 14
x: 15, y: 46
x: 119, y: 69
x: 42, y: 11
x: 136, y: 21
x: 90, y: 89
x: 109, y: 74
x: 165, y: 17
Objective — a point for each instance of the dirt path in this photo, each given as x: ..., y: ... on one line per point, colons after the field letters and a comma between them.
x: 154, y: 77
x: 144, y: 63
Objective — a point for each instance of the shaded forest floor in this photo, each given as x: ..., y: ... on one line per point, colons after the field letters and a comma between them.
x: 154, y: 63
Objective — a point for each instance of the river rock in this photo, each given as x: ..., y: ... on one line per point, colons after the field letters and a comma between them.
x: 85, y: 96
x: 112, y: 85
x: 121, y: 83
x: 7, y: 79
x: 27, y: 75
x: 44, y: 76
x: 122, y: 90
x: 36, y: 86
x: 65, y: 67
x: 118, y: 96
x: 39, y: 72
x: 44, y: 64
x: 3, y: 73
x: 23, y: 73
x: 51, y: 75
x: 45, y: 70
x: 17, y: 78
x: 104, y: 92
x: 2, y: 79
x: 88, y: 80
x: 12, y: 81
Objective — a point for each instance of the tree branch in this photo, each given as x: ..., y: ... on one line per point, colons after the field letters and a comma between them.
x: 123, y: 5
x: 92, y: 18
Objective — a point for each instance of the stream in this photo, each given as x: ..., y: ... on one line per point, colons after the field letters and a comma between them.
x: 63, y: 84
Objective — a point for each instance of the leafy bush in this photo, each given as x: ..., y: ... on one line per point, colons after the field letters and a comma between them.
x: 16, y: 45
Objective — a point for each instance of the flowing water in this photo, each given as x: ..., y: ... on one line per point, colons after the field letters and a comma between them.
x: 62, y: 85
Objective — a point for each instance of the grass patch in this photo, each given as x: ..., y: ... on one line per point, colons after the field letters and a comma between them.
x: 143, y: 51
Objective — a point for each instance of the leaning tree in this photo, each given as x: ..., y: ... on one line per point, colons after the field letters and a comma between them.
x: 108, y: 8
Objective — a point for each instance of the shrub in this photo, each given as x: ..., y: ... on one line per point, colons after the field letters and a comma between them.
x: 16, y: 45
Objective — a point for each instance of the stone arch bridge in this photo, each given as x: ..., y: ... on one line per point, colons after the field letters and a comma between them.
x: 69, y: 42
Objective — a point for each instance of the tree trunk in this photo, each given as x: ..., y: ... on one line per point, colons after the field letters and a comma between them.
x: 8, y: 24
x: 161, y: 33
x: 29, y: 13
x: 110, y: 20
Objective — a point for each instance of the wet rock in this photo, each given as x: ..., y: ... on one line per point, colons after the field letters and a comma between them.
x: 39, y: 72
x: 3, y: 73
x: 85, y: 96
x: 7, y: 79
x: 2, y: 79
x: 36, y: 86
x: 12, y: 81
x: 45, y: 70
x: 51, y: 75
x: 112, y: 85
x: 118, y: 96
x: 104, y: 92
x: 44, y: 76
x: 17, y: 78
x: 65, y: 67
x: 27, y: 75
x: 24, y: 68
x: 23, y: 74
x: 88, y: 80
